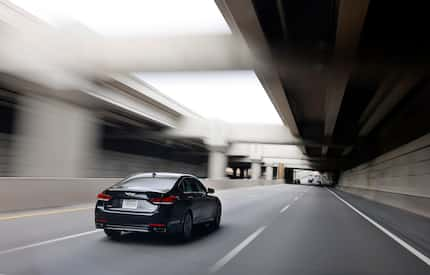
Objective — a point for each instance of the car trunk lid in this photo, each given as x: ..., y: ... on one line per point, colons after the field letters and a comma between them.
x: 131, y: 200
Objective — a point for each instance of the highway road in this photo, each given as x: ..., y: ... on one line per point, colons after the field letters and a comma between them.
x: 278, y: 229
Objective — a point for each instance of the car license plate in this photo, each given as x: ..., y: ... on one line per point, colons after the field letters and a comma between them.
x: 129, y: 204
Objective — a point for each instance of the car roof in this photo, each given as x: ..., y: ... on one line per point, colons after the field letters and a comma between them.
x: 158, y: 175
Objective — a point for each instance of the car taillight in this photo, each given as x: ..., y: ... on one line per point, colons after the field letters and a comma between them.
x: 157, y: 225
x: 104, y: 197
x: 165, y: 200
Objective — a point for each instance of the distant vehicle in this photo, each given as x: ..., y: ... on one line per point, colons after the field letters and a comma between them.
x: 157, y: 202
x: 310, y: 180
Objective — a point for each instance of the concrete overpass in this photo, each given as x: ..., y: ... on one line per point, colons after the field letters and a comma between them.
x: 352, y: 77
x: 366, y: 85
x: 124, y: 101
x: 113, y: 97
x: 349, y: 80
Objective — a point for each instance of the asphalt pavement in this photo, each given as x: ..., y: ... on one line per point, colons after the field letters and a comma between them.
x: 277, y: 229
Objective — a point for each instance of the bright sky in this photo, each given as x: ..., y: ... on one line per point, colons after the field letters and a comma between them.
x: 132, y: 17
x: 233, y: 96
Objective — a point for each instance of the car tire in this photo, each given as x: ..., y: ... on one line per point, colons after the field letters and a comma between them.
x: 186, y: 227
x: 113, y: 234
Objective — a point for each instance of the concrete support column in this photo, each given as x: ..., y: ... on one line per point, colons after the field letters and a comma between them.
x: 217, y: 163
x: 256, y: 170
x: 280, y: 174
x: 54, y: 139
x: 269, y: 172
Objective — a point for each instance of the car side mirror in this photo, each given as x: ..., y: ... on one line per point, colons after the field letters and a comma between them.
x: 211, y: 190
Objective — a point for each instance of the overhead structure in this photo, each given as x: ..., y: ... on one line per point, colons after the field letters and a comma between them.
x: 343, y: 81
x: 338, y: 72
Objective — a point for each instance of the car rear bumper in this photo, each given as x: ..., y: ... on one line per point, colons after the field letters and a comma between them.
x: 130, y: 228
x: 136, y: 222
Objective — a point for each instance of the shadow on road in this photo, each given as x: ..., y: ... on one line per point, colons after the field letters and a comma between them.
x: 199, y: 233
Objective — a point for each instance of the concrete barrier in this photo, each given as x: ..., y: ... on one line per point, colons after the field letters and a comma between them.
x: 398, y: 178
x: 238, y: 183
x: 415, y: 204
x: 25, y: 193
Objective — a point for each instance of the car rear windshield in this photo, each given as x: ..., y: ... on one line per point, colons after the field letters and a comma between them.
x: 162, y: 184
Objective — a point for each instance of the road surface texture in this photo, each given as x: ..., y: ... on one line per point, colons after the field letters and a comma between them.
x: 278, y: 229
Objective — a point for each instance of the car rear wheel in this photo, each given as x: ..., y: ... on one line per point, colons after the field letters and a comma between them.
x: 187, y: 227
x: 113, y: 234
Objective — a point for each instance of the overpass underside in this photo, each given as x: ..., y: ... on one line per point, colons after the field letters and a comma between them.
x: 354, y: 78
x: 352, y: 73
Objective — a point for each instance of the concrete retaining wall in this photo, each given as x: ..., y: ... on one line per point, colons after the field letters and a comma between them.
x: 34, y: 193
x: 400, y: 178
x: 106, y: 163
x: 5, y: 157
x: 116, y: 164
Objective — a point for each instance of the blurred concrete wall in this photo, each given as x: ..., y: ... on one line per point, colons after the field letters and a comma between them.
x: 59, y: 137
x: 22, y: 193
x: 5, y: 154
x: 107, y: 164
x: 116, y: 164
x: 400, y: 178
x: 53, y: 138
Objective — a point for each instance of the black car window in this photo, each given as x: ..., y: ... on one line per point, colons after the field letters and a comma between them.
x: 198, y: 186
x: 187, y: 185
x: 194, y: 186
x: 157, y: 184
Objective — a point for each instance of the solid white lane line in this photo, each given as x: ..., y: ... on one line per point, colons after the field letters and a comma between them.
x: 408, y: 247
x: 230, y: 255
x: 7, y: 251
x: 44, y: 213
x: 284, y: 209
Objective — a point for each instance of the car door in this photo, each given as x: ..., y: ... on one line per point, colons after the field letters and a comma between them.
x: 207, y: 203
x: 192, y: 197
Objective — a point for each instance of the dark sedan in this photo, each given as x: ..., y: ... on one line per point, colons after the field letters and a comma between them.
x: 157, y: 202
